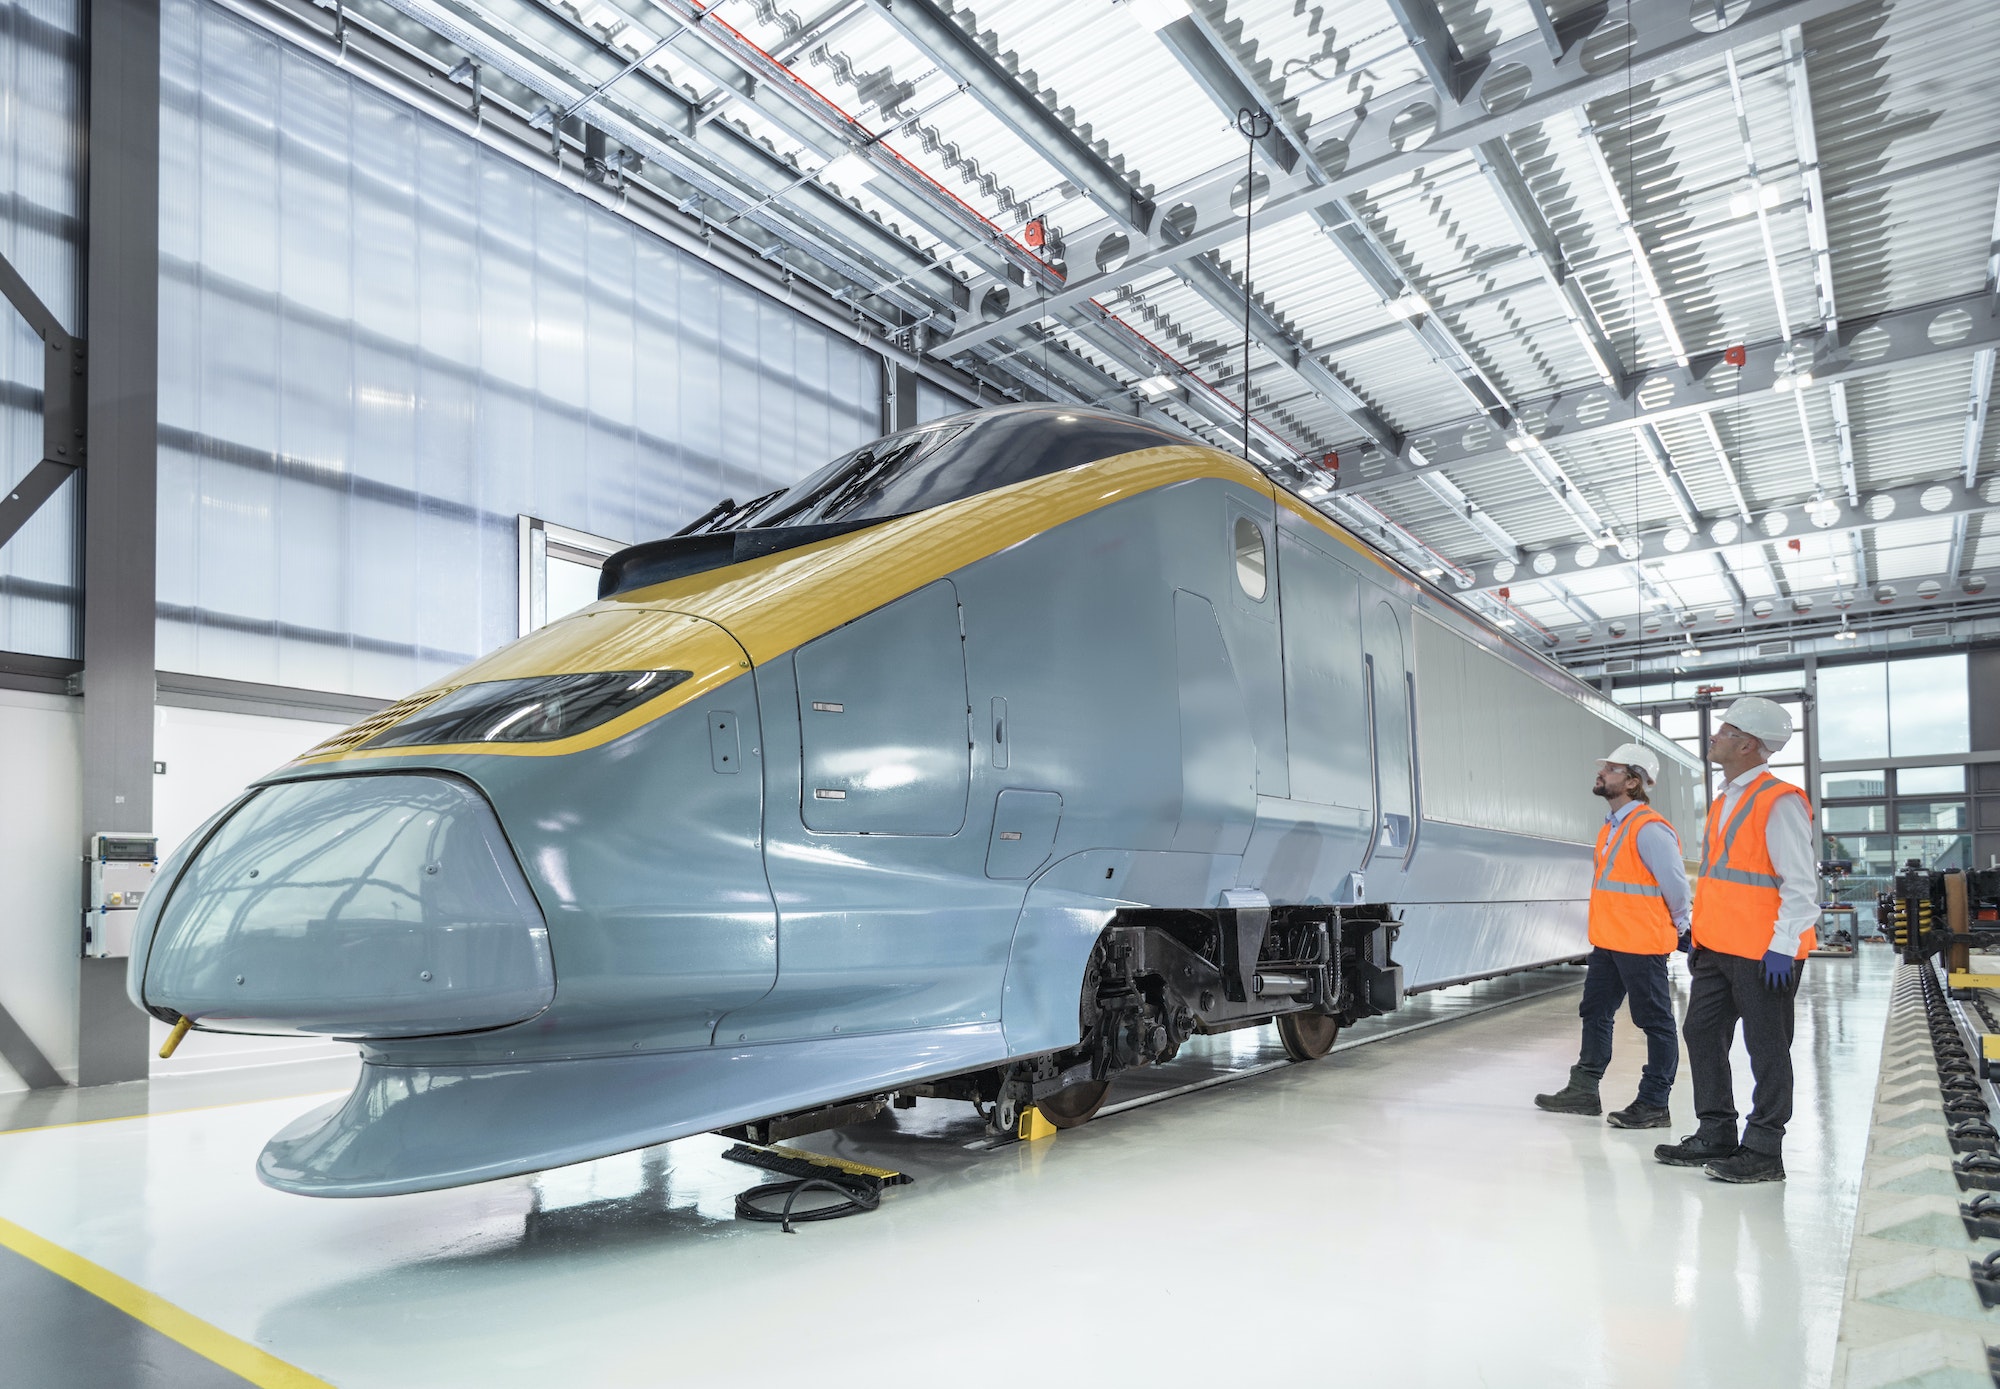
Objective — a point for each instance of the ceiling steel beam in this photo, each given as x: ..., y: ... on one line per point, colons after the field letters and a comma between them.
x: 1518, y: 200
x: 737, y: 172
x: 1437, y: 52
x: 938, y: 37
x: 960, y: 55
x: 1230, y: 83
x: 1805, y: 134
x: 1718, y: 534
x: 1962, y: 326
x: 1233, y: 87
x: 1799, y: 617
x: 1380, y: 141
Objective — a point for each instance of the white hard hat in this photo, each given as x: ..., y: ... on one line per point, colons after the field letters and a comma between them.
x: 1632, y: 755
x: 1763, y: 720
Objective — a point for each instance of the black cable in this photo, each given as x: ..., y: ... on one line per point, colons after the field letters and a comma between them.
x: 856, y: 1199
x: 1255, y: 125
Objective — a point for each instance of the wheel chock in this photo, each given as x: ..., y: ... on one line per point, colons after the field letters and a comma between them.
x: 1034, y: 1125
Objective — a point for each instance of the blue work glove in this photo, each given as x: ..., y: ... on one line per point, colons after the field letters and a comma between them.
x: 1778, y: 969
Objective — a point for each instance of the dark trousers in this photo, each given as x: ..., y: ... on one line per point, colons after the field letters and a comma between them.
x: 1728, y: 989
x: 1613, y: 976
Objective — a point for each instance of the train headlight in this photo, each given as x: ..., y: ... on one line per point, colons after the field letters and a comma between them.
x: 537, y: 709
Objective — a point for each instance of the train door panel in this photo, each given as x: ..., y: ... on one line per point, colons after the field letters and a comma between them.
x: 1326, y: 696
x: 1250, y: 626
x: 1391, y: 697
x: 887, y: 919
x: 883, y: 720
x: 1218, y: 754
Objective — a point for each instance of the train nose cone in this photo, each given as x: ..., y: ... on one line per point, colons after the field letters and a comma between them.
x: 354, y: 906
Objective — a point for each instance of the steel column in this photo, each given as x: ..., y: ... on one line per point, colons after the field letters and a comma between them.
x: 122, y: 282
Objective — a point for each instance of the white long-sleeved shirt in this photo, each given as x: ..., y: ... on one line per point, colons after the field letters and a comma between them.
x: 1660, y: 850
x: 1788, y: 839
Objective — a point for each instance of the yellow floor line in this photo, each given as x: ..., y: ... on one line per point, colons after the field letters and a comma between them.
x: 240, y: 1357
x: 164, y: 1113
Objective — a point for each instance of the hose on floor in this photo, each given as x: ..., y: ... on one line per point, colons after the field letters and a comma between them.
x: 855, y: 1199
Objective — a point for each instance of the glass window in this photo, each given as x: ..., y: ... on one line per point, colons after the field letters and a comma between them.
x: 1250, y: 557
x: 1930, y: 815
x: 1715, y: 684
x: 1643, y: 694
x: 572, y: 585
x: 1681, y: 723
x: 1835, y: 786
x: 1774, y: 680
x: 1795, y: 774
x: 1854, y: 819
x: 1929, y: 781
x: 1873, y: 855
x: 1934, y: 851
x: 1853, y: 712
x: 1929, y: 706
x: 1793, y: 753
x: 946, y: 462
x: 560, y: 569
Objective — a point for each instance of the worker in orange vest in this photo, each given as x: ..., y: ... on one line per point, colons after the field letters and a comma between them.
x: 1638, y: 910
x: 1755, y: 907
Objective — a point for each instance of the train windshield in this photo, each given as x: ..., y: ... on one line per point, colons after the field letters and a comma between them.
x: 947, y: 460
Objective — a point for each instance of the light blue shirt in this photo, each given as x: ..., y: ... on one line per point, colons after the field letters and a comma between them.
x: 1660, y: 851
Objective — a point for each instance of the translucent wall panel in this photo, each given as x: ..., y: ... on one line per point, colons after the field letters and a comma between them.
x: 382, y: 342
x: 41, y: 139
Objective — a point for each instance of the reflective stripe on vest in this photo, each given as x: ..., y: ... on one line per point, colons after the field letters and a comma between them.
x: 1736, y: 907
x: 1628, y: 909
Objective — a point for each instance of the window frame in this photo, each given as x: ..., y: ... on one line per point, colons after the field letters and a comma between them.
x: 539, y: 540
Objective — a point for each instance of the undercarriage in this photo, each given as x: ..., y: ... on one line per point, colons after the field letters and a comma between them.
x: 1156, y: 979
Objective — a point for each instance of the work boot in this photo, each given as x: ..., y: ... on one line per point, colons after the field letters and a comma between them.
x: 1577, y: 1097
x: 1638, y: 1115
x: 1693, y: 1151
x: 1747, y: 1165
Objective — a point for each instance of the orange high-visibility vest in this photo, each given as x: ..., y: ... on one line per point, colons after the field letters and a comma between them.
x: 1736, y: 898
x: 1627, y: 910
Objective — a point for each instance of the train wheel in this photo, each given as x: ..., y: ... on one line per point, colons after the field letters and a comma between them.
x: 1307, y: 1036
x: 1074, y: 1104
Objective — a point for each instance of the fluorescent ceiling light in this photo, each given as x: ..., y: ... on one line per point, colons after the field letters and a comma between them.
x: 1405, y: 307
x: 1752, y: 196
x: 1157, y: 14
x: 850, y: 170
x: 1154, y: 387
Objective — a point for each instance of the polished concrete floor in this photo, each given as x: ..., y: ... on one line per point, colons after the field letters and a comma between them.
x: 1396, y: 1214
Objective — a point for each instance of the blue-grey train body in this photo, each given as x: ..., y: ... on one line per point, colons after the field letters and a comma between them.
x: 886, y: 855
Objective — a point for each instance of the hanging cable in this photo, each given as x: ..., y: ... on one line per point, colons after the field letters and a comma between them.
x: 1254, y: 125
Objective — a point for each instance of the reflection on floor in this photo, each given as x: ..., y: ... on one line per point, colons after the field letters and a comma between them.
x: 1398, y: 1213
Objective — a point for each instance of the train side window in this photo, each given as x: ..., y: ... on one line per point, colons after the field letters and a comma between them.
x: 1250, y: 560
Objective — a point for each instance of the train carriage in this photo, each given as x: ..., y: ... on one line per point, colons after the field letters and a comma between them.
x: 1001, y: 755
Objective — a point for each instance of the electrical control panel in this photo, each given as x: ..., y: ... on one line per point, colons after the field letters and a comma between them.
x: 121, y: 869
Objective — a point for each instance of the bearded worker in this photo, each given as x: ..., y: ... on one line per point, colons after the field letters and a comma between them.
x: 1755, y: 907
x: 1638, y: 910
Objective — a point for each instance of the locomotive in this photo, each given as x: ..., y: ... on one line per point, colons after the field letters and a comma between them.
x: 996, y: 757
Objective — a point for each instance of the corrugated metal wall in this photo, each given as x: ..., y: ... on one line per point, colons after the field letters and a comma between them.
x: 41, y: 129
x: 381, y: 342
